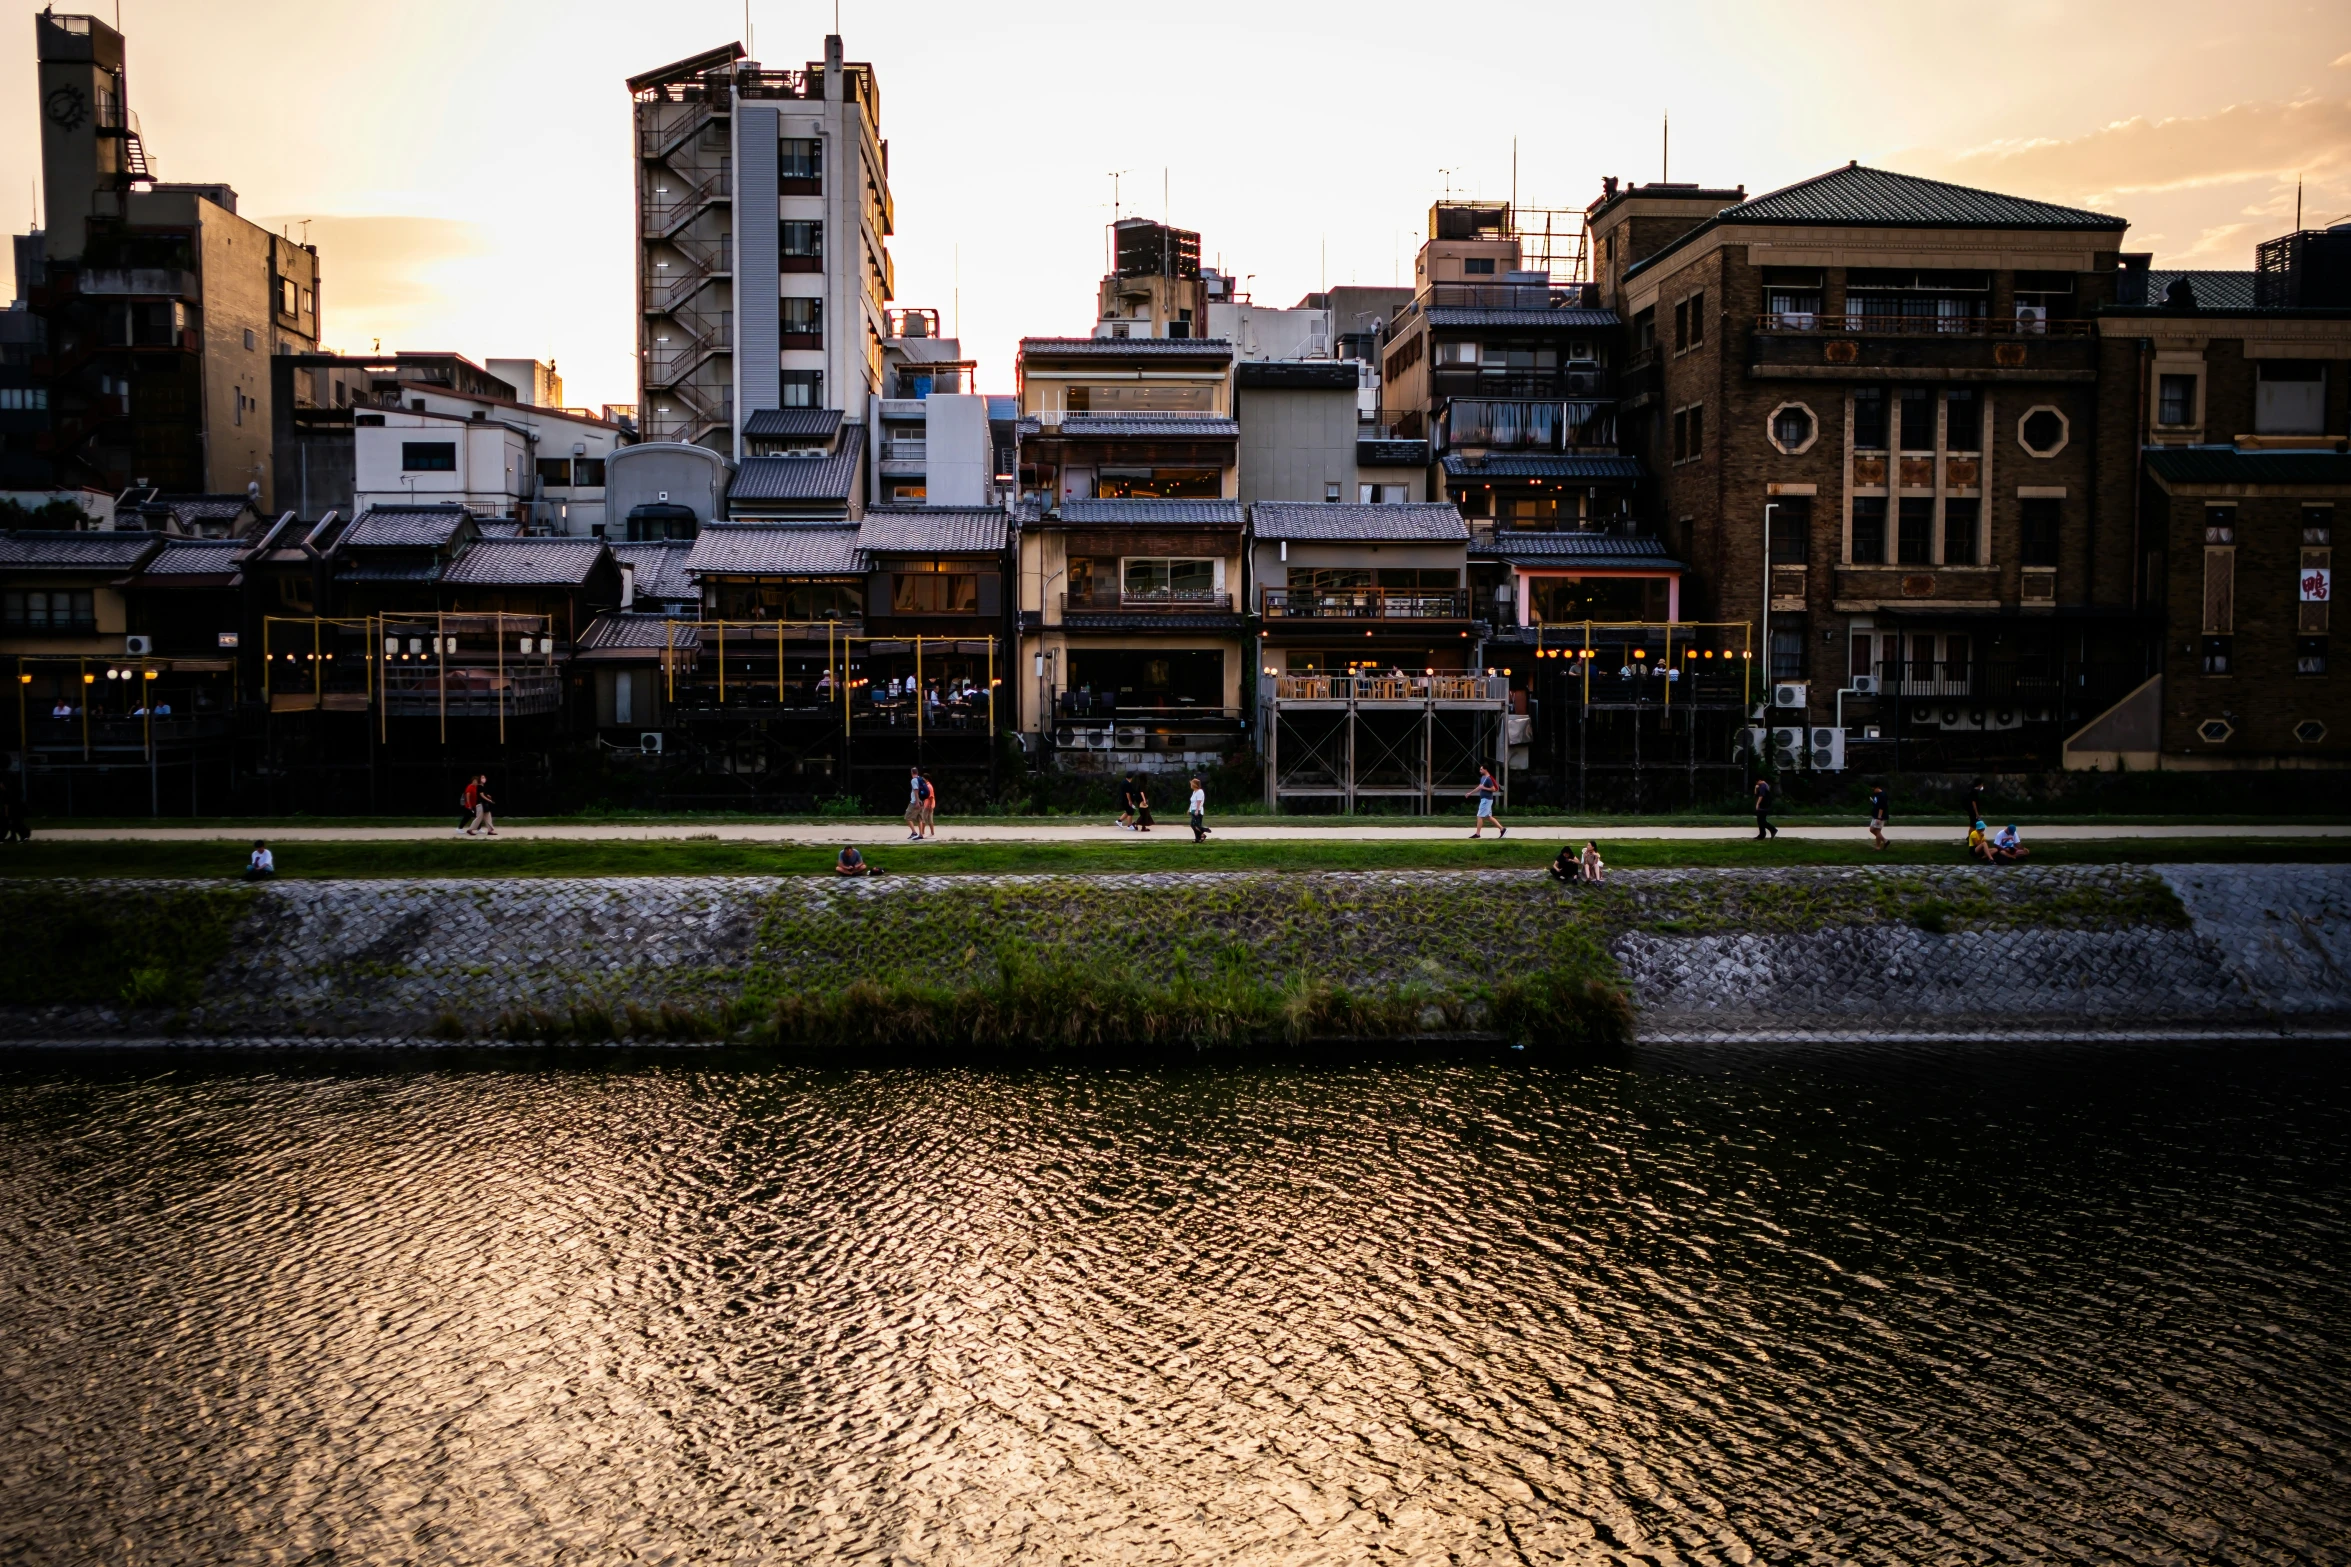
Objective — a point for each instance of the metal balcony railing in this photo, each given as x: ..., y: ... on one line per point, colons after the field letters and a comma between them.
x: 1362, y: 604
x: 1863, y: 324
x: 1200, y: 601
x: 1393, y: 687
x: 1466, y: 381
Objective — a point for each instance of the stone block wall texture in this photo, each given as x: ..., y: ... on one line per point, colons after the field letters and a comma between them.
x: 2267, y: 951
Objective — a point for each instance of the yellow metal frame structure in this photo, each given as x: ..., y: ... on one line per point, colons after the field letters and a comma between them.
x: 150, y: 668
x: 839, y: 649
x: 1665, y: 631
x: 372, y: 630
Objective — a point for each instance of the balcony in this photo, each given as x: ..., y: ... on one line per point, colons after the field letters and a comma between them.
x: 1361, y: 604
x: 1397, y: 687
x: 139, y: 283
x: 1540, y: 384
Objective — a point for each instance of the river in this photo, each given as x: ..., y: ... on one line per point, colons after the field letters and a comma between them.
x: 1796, y: 1306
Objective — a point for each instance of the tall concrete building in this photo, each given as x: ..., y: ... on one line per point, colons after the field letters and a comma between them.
x: 154, y: 310
x: 764, y: 218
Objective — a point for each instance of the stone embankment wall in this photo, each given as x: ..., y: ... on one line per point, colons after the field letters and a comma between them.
x: 1802, y: 953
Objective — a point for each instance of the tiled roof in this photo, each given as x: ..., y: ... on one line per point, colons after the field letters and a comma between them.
x: 2227, y: 465
x: 42, y: 550
x: 526, y: 563
x: 1881, y: 198
x: 1542, y: 466
x: 780, y: 423
x: 660, y: 568
x: 1472, y: 315
x: 1105, y: 347
x: 390, y: 568
x: 1383, y: 452
x: 1854, y: 196
x: 1594, y: 549
x: 1214, y: 514
x: 195, y: 558
x: 404, y: 527
x: 1120, y: 426
x: 502, y: 529
x: 203, y: 508
x: 1419, y: 521
x: 827, y: 478
x: 740, y: 549
x: 648, y: 632
x: 924, y: 530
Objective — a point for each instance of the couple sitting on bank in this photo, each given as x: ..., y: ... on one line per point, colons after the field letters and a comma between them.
x: 2004, y: 847
x: 1584, y: 867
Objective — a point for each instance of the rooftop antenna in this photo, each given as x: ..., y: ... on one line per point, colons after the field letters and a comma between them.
x: 1114, y: 207
x: 749, y: 47
x: 1163, y: 206
x: 1514, y: 179
x: 959, y: 294
x: 1665, y: 157
x: 2297, y: 203
x: 1448, y: 173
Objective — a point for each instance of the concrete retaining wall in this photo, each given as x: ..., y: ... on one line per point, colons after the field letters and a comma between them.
x: 2265, y: 951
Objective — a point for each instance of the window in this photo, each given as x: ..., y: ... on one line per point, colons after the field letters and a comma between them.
x: 1869, y: 530
x: 1384, y: 494
x: 1689, y: 432
x: 250, y: 340
x: 1963, y: 422
x: 587, y: 473
x: 1869, y: 419
x: 2219, y: 654
x: 1917, y: 541
x: 428, y: 456
x: 1791, y: 297
x: 1788, y: 643
x: 1791, y: 529
x: 803, y: 389
x: 1330, y: 490
x: 1138, y: 400
x: 803, y: 318
x: 2042, y: 431
x: 799, y: 158
x: 1791, y: 427
x: 2220, y: 590
x: 2318, y: 525
x: 2289, y: 399
x: 58, y: 609
x: 2310, y: 655
x: 1645, y: 331
x: 1918, y: 419
x: 2220, y: 524
x: 1959, y: 531
x: 237, y: 399
x: 1477, y: 266
x: 934, y: 593
x: 1457, y: 353
x: 797, y: 237
x: 2038, y: 545
x: 2175, y: 399
x: 1698, y: 320
x: 1162, y: 581
x: 23, y: 399
x: 555, y: 472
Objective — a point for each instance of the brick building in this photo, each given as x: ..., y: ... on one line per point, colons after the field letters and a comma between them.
x: 1899, y: 378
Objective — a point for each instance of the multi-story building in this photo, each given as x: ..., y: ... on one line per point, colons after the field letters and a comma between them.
x: 1897, y: 379
x: 155, y: 309
x: 764, y: 218
x: 2224, y: 477
x: 1155, y: 286
x: 932, y: 443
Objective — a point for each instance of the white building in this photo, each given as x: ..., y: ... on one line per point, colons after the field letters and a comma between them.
x: 543, y: 467
x: 534, y: 380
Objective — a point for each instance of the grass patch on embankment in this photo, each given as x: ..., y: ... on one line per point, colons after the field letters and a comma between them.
x: 127, y: 946
x: 523, y: 857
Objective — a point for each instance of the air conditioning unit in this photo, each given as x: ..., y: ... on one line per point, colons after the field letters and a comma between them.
x: 138, y: 647
x: 1828, y: 750
x: 1864, y: 685
x: 1787, y: 748
x: 1788, y: 693
x: 650, y: 742
x: 1746, y: 744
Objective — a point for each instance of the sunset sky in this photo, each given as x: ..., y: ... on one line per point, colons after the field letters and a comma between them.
x: 464, y: 167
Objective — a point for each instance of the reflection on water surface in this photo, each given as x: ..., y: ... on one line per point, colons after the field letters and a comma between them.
x: 1853, y: 1307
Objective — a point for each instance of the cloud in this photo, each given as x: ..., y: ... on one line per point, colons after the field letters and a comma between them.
x: 2340, y: 61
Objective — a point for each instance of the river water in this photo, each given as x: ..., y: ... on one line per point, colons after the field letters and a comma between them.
x: 1852, y: 1306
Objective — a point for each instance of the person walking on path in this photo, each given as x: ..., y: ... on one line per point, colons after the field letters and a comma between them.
x: 929, y: 824
x: 1126, y: 801
x: 1878, y: 804
x: 468, y: 805
x: 1763, y: 826
x: 13, y: 828
x: 1486, y: 793
x: 483, y: 821
x: 1142, y: 805
x: 914, y: 805
x: 1199, y: 813
x: 263, y: 865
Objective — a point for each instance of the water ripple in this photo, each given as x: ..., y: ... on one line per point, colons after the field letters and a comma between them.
x: 1706, y: 1307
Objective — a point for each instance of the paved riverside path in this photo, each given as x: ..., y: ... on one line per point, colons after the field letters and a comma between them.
x: 1239, y: 829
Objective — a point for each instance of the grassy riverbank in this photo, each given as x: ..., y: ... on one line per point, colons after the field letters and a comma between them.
x: 714, y: 856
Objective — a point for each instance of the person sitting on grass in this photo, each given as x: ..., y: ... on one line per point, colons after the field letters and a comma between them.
x: 1566, y: 866
x: 851, y: 863
x: 1592, y: 868
x: 1979, y: 844
x: 263, y: 865
x: 2007, y: 847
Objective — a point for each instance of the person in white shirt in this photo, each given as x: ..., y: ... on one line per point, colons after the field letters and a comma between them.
x: 1199, y: 812
x: 263, y: 866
